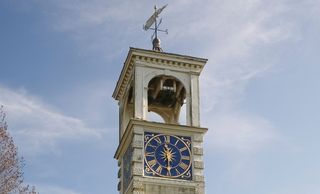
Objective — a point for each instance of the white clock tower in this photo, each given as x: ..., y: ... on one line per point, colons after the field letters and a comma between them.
x: 159, y: 157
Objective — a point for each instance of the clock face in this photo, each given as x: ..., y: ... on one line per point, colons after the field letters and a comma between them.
x: 167, y: 156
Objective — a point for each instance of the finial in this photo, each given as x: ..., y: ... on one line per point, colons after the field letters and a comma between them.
x: 153, y: 20
x: 156, y: 44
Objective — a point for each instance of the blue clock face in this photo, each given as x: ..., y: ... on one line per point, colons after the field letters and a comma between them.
x: 167, y: 156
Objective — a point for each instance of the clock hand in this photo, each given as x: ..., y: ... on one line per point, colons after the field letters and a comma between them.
x: 168, y: 156
x: 169, y: 167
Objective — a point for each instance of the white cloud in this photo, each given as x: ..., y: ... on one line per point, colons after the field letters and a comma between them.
x: 74, y: 15
x: 98, y: 27
x: 37, y: 126
x: 97, y: 106
x: 242, y: 35
x: 219, y: 29
x: 240, y: 38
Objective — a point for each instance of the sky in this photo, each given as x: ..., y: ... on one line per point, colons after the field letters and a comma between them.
x: 260, y: 90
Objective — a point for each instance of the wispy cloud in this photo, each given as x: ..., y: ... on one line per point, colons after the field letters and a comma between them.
x: 96, y: 105
x: 241, y: 42
x: 98, y: 24
x: 240, y: 38
x: 37, y: 126
x: 239, y: 132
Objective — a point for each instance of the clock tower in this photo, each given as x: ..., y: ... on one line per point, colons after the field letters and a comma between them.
x: 159, y: 157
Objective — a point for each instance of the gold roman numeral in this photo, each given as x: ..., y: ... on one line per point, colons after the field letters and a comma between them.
x: 159, y: 169
x: 151, y: 154
x: 168, y: 173
x: 158, y: 140
x: 152, y: 163
x: 185, y: 157
x: 177, y: 171
x: 176, y: 142
x: 183, y: 149
x: 153, y: 146
x: 183, y: 166
x: 167, y: 139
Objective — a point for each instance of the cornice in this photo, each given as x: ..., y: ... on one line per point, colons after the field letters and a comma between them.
x: 125, y: 139
x: 162, y: 59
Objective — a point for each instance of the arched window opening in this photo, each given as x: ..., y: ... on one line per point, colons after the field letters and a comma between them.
x: 183, y: 114
x: 152, y: 116
x: 166, y: 96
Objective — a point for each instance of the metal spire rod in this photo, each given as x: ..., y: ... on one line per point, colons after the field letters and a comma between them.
x: 153, y: 20
x: 155, y: 23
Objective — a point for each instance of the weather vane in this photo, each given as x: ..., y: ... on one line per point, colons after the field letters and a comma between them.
x: 153, y: 20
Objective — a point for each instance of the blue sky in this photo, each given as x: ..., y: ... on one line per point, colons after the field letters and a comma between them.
x: 60, y: 60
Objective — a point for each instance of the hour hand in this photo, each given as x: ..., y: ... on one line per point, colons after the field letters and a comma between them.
x: 169, y: 155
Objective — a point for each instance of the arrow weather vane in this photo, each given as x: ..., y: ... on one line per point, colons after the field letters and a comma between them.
x: 153, y: 20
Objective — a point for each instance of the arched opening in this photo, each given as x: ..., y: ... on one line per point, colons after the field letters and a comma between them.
x: 166, y: 96
x: 152, y: 116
